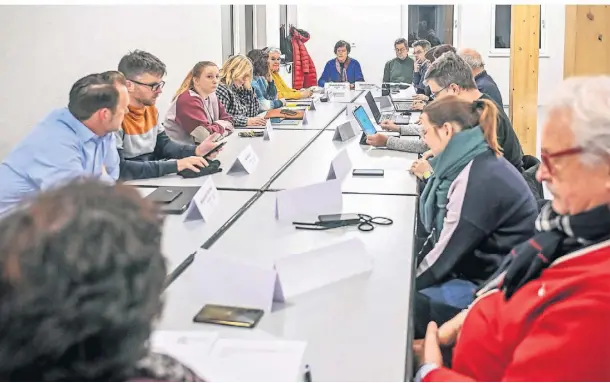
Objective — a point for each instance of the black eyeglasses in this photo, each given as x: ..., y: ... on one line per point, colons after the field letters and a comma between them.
x: 433, y: 95
x: 155, y: 86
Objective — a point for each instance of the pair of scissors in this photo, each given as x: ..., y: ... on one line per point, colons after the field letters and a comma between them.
x: 366, y: 223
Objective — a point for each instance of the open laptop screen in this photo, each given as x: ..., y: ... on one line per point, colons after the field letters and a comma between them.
x: 373, y: 106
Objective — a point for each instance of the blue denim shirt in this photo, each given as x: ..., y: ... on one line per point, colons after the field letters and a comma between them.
x: 58, y: 149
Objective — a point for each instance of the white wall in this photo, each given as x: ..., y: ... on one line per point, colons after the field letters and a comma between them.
x: 373, y: 29
x: 475, y: 32
x: 50, y: 47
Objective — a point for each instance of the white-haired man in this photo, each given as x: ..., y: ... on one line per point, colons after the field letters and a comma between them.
x: 485, y: 83
x: 544, y: 315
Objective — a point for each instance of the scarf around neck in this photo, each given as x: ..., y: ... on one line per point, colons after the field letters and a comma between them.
x: 461, y: 149
x: 342, y: 74
x: 556, y: 235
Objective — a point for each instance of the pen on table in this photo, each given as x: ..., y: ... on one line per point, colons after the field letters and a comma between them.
x: 308, y: 374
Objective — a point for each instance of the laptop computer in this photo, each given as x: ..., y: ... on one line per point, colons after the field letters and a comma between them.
x: 382, y: 116
x: 402, y: 106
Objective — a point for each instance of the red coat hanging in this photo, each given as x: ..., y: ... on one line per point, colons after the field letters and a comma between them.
x: 304, y: 71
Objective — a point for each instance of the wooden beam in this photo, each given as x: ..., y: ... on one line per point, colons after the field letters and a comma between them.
x: 587, y: 40
x: 524, y: 53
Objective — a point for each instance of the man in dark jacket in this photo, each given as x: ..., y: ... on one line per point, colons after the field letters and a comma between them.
x: 144, y: 148
x: 485, y: 83
x: 450, y: 74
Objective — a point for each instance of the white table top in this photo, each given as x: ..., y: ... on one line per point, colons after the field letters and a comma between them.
x: 313, y: 164
x: 356, y: 329
x: 180, y: 238
x: 272, y: 156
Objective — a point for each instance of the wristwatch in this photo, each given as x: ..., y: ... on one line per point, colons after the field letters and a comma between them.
x: 428, y: 174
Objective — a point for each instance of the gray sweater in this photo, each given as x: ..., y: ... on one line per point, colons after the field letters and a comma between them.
x: 411, y: 145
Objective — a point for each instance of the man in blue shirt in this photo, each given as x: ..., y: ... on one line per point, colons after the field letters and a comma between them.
x: 72, y: 142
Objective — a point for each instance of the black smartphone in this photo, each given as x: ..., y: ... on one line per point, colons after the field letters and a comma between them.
x: 349, y: 218
x: 368, y: 172
x: 217, y: 148
x: 164, y: 195
x: 229, y: 316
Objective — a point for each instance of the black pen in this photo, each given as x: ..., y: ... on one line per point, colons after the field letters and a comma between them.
x: 308, y: 374
x: 179, y: 270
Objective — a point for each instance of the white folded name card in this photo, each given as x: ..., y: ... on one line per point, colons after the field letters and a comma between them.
x: 307, y: 202
x: 340, y: 166
x: 365, y: 86
x: 268, y: 135
x: 235, y: 281
x: 337, y: 86
x: 344, y: 131
x: 204, y: 202
x: 246, y: 161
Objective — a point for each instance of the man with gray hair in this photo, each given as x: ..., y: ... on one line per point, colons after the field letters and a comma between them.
x: 450, y: 74
x: 485, y: 83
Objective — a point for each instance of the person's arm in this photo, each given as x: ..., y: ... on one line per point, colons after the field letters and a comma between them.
x: 191, y: 117
x: 386, y: 72
x: 409, y: 130
x: 358, y: 76
x: 166, y: 148
x: 60, y: 164
x: 252, y: 103
x: 568, y: 341
x: 264, y: 104
x: 112, y: 162
x: 458, y: 238
x: 283, y: 91
x: 325, y: 76
x: 132, y: 169
x: 229, y: 103
x: 224, y: 117
x: 406, y: 145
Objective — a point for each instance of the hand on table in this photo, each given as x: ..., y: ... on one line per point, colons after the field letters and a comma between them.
x: 207, y: 145
x: 257, y: 121
x: 389, y: 126
x: 305, y: 93
x: 377, y: 139
x: 419, y: 167
x: 193, y: 163
x: 421, y: 97
x: 418, y: 105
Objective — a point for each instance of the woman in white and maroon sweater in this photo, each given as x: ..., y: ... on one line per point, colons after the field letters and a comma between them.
x: 196, y: 112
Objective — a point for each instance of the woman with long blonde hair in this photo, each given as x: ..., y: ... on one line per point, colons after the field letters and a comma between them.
x: 196, y: 112
x: 235, y: 92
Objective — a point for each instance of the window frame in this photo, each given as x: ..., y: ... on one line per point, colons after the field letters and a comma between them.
x: 505, y: 52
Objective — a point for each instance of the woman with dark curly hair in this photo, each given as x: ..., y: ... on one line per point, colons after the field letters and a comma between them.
x: 262, y: 83
x: 81, y: 277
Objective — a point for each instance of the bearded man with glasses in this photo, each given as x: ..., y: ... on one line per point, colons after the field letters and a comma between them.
x: 144, y: 148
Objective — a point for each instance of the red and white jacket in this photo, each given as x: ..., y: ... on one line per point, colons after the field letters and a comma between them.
x: 555, y: 328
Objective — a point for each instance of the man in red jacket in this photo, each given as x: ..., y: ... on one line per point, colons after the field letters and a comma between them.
x: 544, y: 316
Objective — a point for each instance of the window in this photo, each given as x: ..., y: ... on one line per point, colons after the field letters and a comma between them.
x: 226, y: 22
x: 501, y: 26
x: 434, y: 23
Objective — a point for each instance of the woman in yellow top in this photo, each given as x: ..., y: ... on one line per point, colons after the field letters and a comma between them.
x: 283, y: 91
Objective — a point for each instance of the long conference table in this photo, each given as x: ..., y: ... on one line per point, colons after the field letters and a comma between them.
x: 357, y: 329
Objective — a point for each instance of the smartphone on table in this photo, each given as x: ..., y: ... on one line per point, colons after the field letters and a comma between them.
x: 164, y: 195
x: 229, y: 316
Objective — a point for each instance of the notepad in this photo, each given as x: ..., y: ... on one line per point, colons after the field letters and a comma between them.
x: 233, y: 360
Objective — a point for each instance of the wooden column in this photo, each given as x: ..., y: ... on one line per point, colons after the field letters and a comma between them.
x: 524, y: 50
x: 587, y: 40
